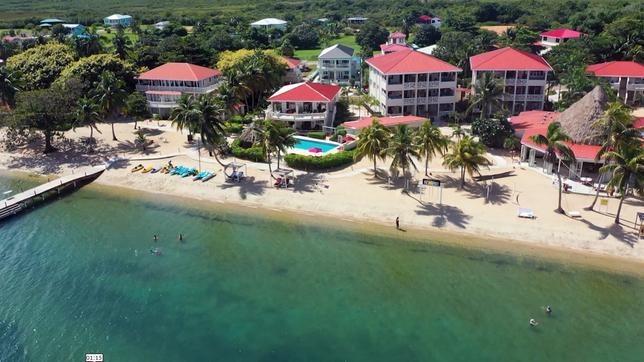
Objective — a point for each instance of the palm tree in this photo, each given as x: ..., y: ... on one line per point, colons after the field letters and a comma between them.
x: 556, y: 149
x: 457, y: 131
x: 430, y: 141
x: 626, y: 170
x: 403, y: 149
x: 111, y: 95
x: 278, y: 137
x: 202, y: 115
x: 8, y: 86
x: 616, y: 124
x: 466, y: 155
x: 487, y: 95
x: 87, y: 114
x: 373, y: 142
x: 122, y: 45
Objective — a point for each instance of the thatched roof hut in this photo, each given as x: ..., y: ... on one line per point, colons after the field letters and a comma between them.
x: 578, y: 119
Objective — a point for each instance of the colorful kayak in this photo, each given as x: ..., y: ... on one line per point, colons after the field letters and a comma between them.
x: 207, y: 177
x: 137, y: 168
x: 147, y: 169
x: 200, y: 175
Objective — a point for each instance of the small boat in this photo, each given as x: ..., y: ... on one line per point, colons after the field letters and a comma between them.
x: 166, y: 169
x: 147, y: 169
x: 137, y: 168
x: 189, y: 172
x: 177, y: 170
x: 200, y: 175
x: 156, y: 170
x: 208, y: 176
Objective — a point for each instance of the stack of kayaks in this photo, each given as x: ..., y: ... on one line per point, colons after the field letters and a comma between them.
x: 203, y: 176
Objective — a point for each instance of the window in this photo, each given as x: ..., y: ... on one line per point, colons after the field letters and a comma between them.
x: 433, y: 92
x: 410, y: 94
x: 535, y: 90
x: 422, y: 93
x: 394, y: 110
x: 422, y: 77
x: 520, y: 90
x: 448, y: 77
x: 522, y: 75
x: 410, y: 78
x: 446, y: 92
x: 434, y: 77
x: 395, y: 79
x: 509, y: 90
x: 510, y: 74
x: 395, y: 95
x: 446, y: 107
x: 408, y: 110
x: 537, y: 75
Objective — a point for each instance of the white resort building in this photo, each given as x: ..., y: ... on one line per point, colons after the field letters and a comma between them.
x: 337, y: 65
x: 552, y: 38
x: 270, y: 23
x: 626, y: 77
x: 304, y: 106
x: 118, y: 19
x: 408, y: 82
x: 164, y: 85
x: 522, y: 75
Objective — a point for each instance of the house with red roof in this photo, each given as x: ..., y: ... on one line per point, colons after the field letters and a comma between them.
x: 435, y: 21
x: 411, y: 83
x: 164, y: 84
x: 552, y: 38
x: 354, y: 127
x: 522, y: 75
x: 531, y: 119
x: 626, y: 77
x: 293, y: 70
x: 305, y: 105
x: 395, y: 42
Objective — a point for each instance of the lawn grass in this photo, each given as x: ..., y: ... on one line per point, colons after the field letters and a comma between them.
x: 312, y: 54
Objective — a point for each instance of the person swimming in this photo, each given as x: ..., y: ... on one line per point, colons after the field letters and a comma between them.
x: 180, y: 237
x: 533, y: 323
x: 156, y: 238
x: 155, y: 251
x: 548, y: 310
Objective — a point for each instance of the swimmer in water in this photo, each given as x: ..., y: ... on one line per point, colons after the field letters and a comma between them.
x: 533, y: 323
x: 180, y: 237
x: 548, y: 310
x: 155, y: 252
x: 156, y: 238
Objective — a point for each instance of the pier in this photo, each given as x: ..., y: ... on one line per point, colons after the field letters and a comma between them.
x: 23, y: 200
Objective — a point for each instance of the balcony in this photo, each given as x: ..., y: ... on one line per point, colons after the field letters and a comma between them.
x: 635, y: 86
x: 296, y: 117
x: 192, y: 90
x: 514, y: 81
x: 409, y: 85
x: 409, y: 101
x: 534, y: 97
x: 433, y: 84
x: 165, y: 104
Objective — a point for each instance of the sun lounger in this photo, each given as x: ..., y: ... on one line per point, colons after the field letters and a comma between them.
x: 526, y: 213
x: 574, y: 214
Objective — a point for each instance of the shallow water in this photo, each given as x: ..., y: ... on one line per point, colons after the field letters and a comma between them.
x: 77, y: 276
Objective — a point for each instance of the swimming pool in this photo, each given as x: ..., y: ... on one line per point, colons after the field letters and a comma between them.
x: 306, y: 143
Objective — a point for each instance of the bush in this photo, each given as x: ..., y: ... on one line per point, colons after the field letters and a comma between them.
x: 319, y: 163
x: 317, y: 134
x: 492, y: 132
x: 233, y: 127
x: 253, y: 153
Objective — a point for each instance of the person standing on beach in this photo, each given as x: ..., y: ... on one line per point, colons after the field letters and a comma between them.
x: 397, y: 223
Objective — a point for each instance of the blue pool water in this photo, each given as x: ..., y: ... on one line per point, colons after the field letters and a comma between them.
x: 306, y: 144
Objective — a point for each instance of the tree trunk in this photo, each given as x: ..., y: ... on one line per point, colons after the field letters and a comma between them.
x: 270, y: 168
x: 135, y: 121
x: 559, y: 208
x: 278, y: 158
x: 375, y: 170
x: 462, y: 177
x: 48, y: 147
x: 600, y: 178
x: 427, y: 164
x: 113, y: 133
x: 621, y: 201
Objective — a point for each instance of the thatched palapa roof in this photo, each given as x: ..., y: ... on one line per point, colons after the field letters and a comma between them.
x: 578, y: 119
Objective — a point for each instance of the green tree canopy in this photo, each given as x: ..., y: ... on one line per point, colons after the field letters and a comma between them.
x: 304, y: 36
x: 89, y: 69
x: 371, y: 36
x: 427, y: 35
x: 40, y: 66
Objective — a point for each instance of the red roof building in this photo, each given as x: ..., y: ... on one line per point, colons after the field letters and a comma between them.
x: 392, y: 48
x: 508, y: 59
x: 411, y: 83
x: 626, y: 77
x: 397, y: 35
x: 523, y: 76
x: 294, y: 73
x: 164, y: 85
x: 583, y: 153
x: 304, y: 105
x: 411, y: 121
x: 532, y: 119
x: 552, y: 38
x: 292, y: 63
x: 180, y: 72
x: 433, y: 20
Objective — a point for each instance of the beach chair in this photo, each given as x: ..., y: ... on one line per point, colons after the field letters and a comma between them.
x: 574, y: 214
x: 525, y: 213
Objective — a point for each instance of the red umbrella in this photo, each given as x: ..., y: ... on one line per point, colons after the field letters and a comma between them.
x: 315, y: 150
x: 348, y: 139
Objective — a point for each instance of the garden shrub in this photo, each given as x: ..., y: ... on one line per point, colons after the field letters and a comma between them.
x: 317, y: 134
x: 319, y: 163
x: 253, y: 153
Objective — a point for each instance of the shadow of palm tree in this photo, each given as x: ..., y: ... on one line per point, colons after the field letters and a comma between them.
x: 309, y: 182
x: 499, y: 194
x: 443, y: 214
x: 615, y: 230
x: 246, y: 187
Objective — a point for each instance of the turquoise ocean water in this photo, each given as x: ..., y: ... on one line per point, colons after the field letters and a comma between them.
x: 77, y: 276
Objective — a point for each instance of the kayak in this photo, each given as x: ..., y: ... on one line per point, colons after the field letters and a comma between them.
x: 207, y: 177
x: 177, y: 170
x: 137, y: 168
x: 189, y: 172
x: 147, y: 169
x: 156, y: 170
x: 200, y: 175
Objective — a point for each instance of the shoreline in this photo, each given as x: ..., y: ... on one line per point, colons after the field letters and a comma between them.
x: 464, y: 239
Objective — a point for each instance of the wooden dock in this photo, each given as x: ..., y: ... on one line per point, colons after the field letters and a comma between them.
x: 21, y: 201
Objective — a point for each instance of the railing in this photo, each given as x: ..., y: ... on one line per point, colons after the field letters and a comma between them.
x: 433, y: 84
x: 534, y: 97
x: 635, y: 86
x: 409, y: 85
x: 162, y: 104
x: 195, y: 90
x: 511, y: 81
x: 410, y: 101
x: 297, y: 117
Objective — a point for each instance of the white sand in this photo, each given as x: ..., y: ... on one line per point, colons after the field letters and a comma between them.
x: 353, y: 194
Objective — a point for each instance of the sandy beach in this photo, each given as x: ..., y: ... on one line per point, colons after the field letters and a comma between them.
x: 353, y: 195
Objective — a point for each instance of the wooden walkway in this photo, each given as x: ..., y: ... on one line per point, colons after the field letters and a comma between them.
x: 18, y: 202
